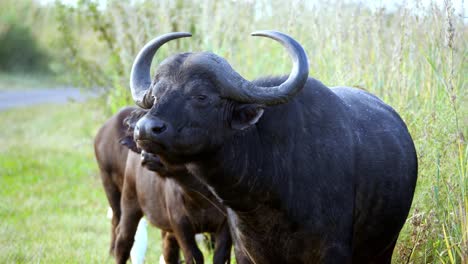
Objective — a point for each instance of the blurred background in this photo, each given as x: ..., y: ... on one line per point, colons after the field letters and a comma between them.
x: 64, y: 69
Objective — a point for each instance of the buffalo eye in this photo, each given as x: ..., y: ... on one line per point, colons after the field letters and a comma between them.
x: 200, y: 100
x: 201, y: 97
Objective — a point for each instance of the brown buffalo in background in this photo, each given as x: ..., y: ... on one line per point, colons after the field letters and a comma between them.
x: 179, y: 205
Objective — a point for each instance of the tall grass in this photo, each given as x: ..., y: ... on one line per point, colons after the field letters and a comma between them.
x: 414, y: 59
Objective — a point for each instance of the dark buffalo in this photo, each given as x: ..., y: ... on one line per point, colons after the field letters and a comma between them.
x: 174, y: 202
x: 309, y: 174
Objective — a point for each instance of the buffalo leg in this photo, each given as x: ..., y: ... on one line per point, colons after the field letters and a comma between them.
x: 170, y: 248
x: 386, y: 256
x: 336, y: 253
x: 241, y: 257
x: 113, y: 196
x: 186, y: 239
x: 131, y: 215
x: 223, y: 243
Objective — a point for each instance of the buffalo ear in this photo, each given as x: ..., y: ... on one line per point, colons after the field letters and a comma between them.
x: 246, y: 115
x: 130, y: 121
x: 129, y: 124
x: 129, y: 143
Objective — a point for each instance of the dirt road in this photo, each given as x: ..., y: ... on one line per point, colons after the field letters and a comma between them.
x: 11, y: 99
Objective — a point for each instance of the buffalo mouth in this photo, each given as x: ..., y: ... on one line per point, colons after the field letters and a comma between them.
x: 153, y: 162
x: 151, y: 146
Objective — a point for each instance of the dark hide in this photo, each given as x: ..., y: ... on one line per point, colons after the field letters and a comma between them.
x: 326, y: 178
x: 171, y: 200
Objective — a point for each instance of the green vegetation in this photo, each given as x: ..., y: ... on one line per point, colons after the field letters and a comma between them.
x: 54, y: 207
x: 19, y: 50
x: 28, y: 37
x: 25, y: 34
x: 415, y: 61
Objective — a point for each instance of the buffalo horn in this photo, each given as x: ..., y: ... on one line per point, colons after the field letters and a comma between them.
x: 140, y: 78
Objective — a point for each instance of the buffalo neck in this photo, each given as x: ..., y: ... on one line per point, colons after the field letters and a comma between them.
x: 237, y: 172
x: 192, y: 188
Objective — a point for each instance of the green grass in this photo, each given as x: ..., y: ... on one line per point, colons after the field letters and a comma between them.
x: 414, y: 61
x: 53, y: 207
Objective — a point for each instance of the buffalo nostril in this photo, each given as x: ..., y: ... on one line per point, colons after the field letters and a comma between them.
x: 159, y: 128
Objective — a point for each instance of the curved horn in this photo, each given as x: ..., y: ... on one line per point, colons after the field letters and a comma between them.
x: 140, y: 77
x: 297, y: 78
x: 234, y: 86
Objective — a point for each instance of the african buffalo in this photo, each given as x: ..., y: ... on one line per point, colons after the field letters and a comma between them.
x: 171, y: 200
x: 309, y: 174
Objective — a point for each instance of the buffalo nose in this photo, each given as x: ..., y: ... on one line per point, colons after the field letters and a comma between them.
x: 146, y: 128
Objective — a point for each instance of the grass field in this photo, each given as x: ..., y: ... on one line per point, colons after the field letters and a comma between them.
x: 53, y: 208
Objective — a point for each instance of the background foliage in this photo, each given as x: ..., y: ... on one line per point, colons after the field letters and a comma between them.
x: 28, y: 44
x: 413, y: 58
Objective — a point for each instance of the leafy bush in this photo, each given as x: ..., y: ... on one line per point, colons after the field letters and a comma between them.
x: 27, y: 35
x: 19, y: 51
